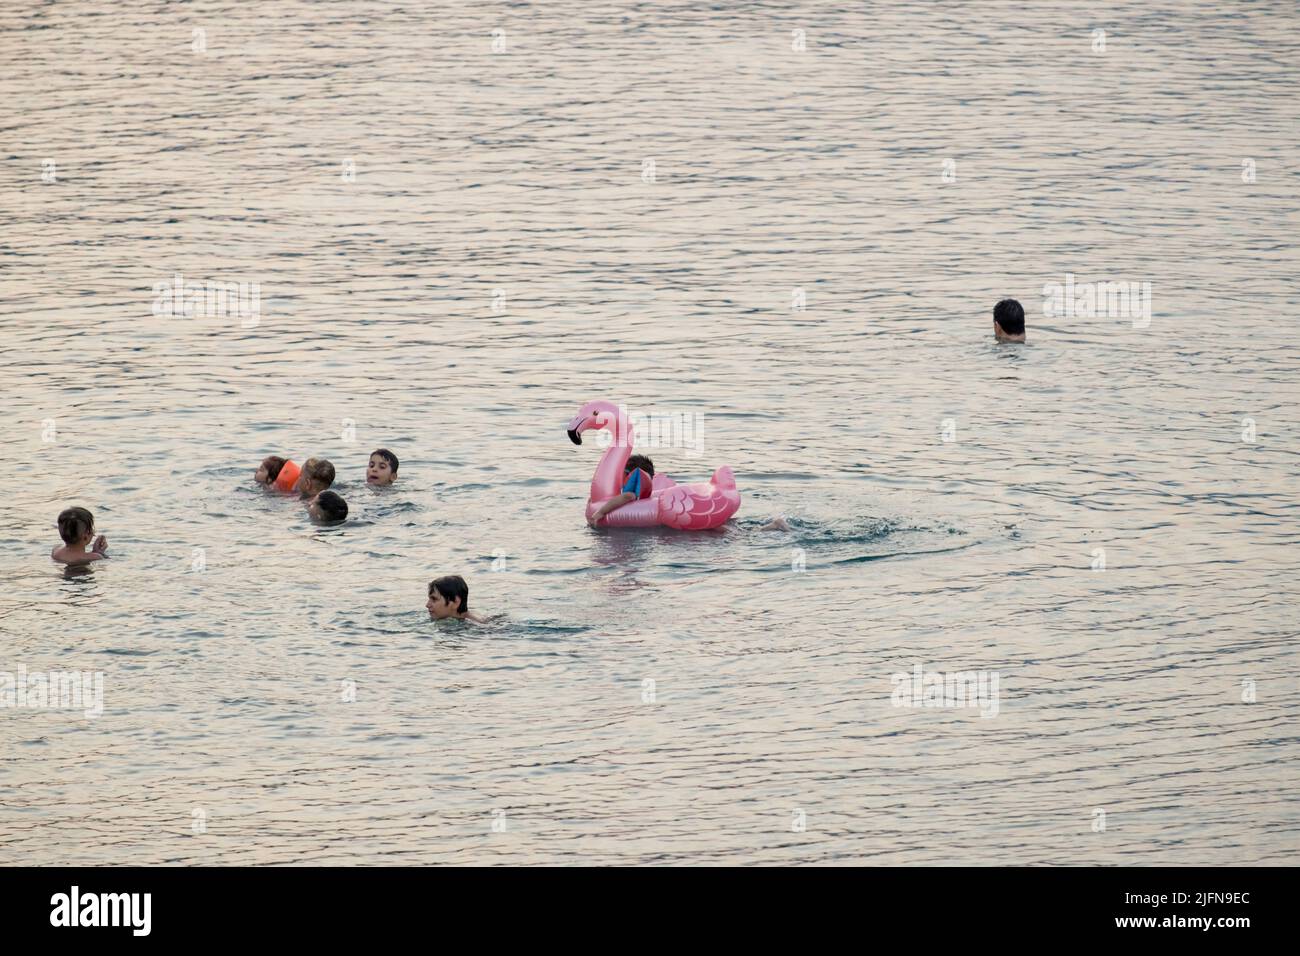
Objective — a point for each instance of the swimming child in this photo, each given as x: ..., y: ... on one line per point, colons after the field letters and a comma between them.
x: 77, y: 528
x: 382, y: 469
x: 449, y: 597
x: 328, y: 507
x: 317, y: 475
x: 638, y: 475
x: 276, y: 472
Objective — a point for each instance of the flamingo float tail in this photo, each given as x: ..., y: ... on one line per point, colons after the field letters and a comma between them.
x: 724, y: 479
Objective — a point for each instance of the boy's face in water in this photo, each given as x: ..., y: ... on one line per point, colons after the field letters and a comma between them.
x: 313, y: 509
x: 439, y: 607
x: 262, y: 476
x: 379, y: 471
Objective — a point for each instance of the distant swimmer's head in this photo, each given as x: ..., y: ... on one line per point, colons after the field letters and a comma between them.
x: 382, y: 468
x: 1009, y: 321
x: 639, y: 461
x: 76, y: 526
x: 448, y: 597
x: 328, y: 507
x: 269, y: 469
x: 317, y: 475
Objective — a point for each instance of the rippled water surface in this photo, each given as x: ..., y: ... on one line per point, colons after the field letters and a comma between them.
x: 501, y: 255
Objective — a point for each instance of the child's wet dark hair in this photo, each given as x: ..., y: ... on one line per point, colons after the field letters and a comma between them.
x: 640, y: 461
x: 75, y: 524
x: 452, y: 587
x: 332, y: 506
x: 272, y: 464
x: 388, y: 456
x: 318, y: 469
x: 1010, y: 314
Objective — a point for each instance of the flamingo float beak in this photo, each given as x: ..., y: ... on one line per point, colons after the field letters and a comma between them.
x: 575, y: 429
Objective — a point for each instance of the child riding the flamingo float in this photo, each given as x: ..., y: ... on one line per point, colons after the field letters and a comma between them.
x: 693, y: 507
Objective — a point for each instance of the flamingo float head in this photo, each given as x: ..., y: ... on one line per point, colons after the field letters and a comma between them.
x: 593, y: 415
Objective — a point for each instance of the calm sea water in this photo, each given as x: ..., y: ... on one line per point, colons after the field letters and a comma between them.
x: 457, y: 247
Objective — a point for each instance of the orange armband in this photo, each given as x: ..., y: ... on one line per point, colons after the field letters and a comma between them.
x: 287, y: 478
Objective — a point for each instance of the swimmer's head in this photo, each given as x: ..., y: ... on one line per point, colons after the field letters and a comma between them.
x: 269, y: 470
x: 639, y: 461
x: 1009, y: 321
x: 448, y: 597
x: 76, y: 525
x: 317, y: 475
x: 328, y: 507
x: 382, y: 468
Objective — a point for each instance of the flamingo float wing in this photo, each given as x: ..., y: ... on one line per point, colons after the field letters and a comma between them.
x: 696, y: 507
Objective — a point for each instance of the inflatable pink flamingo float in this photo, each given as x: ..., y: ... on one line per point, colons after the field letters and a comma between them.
x: 695, y: 507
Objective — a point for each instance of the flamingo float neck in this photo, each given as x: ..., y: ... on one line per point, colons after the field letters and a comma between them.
x: 608, y: 479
